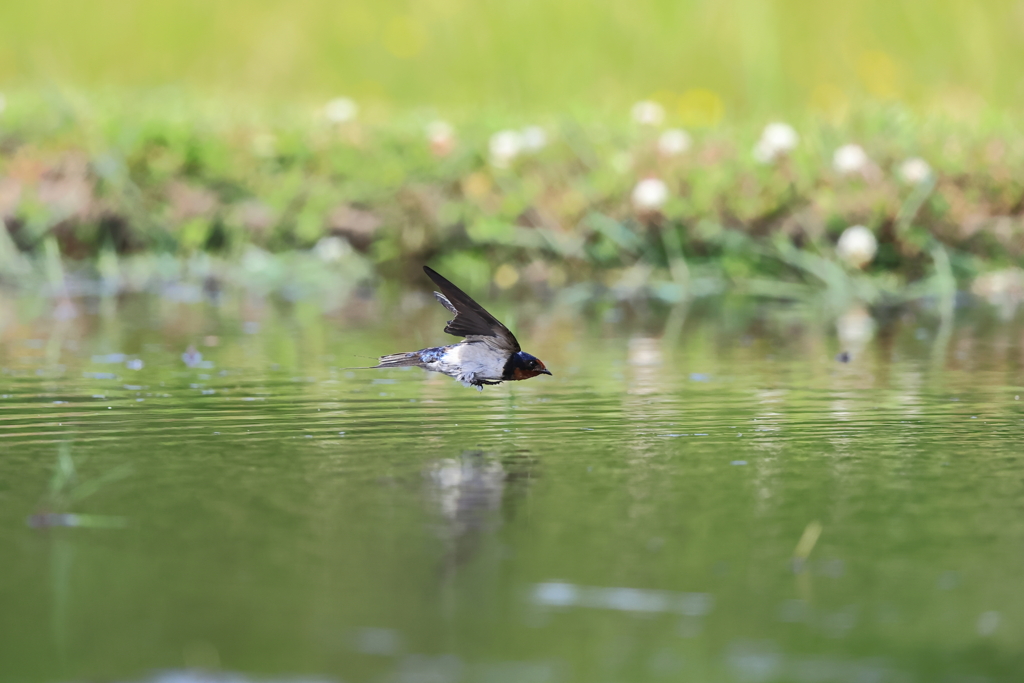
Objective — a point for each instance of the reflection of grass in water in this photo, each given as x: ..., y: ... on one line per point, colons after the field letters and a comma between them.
x: 66, y: 490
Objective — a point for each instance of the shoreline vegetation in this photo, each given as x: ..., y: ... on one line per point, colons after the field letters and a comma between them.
x: 880, y: 205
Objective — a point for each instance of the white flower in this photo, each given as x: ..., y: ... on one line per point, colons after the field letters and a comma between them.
x: 850, y: 159
x: 648, y: 113
x: 340, y: 110
x: 332, y: 248
x: 534, y: 138
x: 649, y: 194
x: 915, y: 171
x: 777, y: 139
x: 857, y: 246
x: 505, y: 145
x: 781, y: 136
x: 674, y: 141
x: 441, y: 137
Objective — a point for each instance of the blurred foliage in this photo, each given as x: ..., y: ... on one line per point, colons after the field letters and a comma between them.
x: 164, y: 173
x: 702, y: 59
x: 187, y: 129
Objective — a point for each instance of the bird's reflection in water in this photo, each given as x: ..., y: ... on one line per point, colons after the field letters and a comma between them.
x: 474, y: 493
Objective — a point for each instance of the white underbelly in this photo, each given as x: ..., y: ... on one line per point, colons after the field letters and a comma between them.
x: 472, y: 361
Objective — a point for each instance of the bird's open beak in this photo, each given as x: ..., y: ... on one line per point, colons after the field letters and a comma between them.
x: 545, y: 371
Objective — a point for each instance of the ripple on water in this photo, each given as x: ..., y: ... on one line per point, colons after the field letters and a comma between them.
x: 637, y: 515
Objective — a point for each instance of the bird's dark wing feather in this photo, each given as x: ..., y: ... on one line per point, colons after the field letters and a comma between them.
x: 470, y: 317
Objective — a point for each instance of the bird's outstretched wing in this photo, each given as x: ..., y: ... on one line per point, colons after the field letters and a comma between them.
x: 470, y: 317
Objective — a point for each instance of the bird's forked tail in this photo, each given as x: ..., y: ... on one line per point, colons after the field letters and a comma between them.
x: 401, y: 360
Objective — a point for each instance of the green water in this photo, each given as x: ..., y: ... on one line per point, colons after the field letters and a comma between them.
x: 633, y: 518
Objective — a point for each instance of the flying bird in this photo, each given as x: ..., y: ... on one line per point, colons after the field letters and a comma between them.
x: 490, y: 353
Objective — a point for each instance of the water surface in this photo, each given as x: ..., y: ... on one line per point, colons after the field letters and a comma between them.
x: 699, y: 494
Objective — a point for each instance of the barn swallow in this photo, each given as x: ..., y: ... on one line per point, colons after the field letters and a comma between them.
x: 490, y: 353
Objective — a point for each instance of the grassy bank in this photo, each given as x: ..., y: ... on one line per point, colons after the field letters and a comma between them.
x: 609, y: 199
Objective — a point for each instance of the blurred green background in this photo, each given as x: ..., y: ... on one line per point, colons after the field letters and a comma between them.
x: 702, y: 59
x: 189, y: 128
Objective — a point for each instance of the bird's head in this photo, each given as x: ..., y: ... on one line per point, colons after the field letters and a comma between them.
x: 525, y: 366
